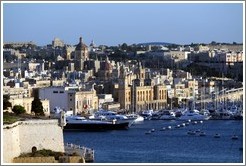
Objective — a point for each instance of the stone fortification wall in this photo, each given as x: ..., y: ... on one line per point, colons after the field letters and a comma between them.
x: 21, y: 136
x: 35, y: 160
x: 10, y: 142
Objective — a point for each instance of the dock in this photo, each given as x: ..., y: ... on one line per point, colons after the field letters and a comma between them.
x: 86, y: 153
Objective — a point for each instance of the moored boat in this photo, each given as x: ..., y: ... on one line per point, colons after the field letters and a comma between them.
x: 136, y: 118
x: 80, y: 123
x: 167, y: 115
x: 193, y: 115
x: 110, y: 115
x: 217, y: 135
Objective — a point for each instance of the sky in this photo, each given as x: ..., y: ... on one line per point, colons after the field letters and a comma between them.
x: 117, y: 23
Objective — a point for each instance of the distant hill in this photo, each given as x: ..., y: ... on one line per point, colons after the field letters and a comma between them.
x: 156, y: 43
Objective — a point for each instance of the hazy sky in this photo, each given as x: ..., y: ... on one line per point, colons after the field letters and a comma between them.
x: 114, y: 24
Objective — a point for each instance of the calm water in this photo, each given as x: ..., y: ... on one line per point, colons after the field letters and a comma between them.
x: 169, y: 146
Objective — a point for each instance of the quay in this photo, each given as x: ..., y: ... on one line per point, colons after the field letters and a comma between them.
x: 86, y: 153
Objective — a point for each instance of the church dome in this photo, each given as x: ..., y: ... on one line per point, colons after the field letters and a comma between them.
x: 81, y: 45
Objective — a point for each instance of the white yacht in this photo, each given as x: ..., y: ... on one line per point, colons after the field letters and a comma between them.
x: 147, y: 114
x: 222, y: 114
x: 81, y: 123
x: 193, y: 115
x: 136, y: 118
x: 167, y: 115
x: 110, y: 115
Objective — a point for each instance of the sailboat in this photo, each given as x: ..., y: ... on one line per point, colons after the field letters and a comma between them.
x: 191, y: 113
x: 203, y: 110
x: 221, y: 107
x: 168, y: 114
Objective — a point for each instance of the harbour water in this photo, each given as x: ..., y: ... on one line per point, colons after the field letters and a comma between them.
x: 169, y: 146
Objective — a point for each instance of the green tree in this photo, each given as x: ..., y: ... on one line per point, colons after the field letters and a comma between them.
x: 37, y: 107
x: 6, y: 102
x: 18, y: 109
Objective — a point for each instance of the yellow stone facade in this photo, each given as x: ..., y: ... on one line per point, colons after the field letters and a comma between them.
x: 85, y: 101
x: 141, y: 97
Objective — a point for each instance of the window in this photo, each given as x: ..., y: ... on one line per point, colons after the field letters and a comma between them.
x: 55, y: 91
x: 61, y: 91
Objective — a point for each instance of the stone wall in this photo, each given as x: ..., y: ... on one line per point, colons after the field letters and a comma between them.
x: 21, y: 136
x: 34, y: 160
x: 62, y: 159
x: 11, y: 142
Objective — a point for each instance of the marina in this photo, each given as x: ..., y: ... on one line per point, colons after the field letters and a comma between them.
x: 151, y: 88
x: 158, y: 141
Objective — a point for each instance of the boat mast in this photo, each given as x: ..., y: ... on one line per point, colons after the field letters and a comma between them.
x: 194, y: 97
x: 173, y: 86
x: 133, y: 98
x: 204, y: 93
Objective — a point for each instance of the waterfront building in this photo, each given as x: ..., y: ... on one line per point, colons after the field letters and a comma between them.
x: 85, y: 101
x: 206, y: 88
x: 104, y: 98
x: 76, y: 99
x: 137, y: 93
x: 192, y: 86
x: 112, y: 106
x: 181, y: 92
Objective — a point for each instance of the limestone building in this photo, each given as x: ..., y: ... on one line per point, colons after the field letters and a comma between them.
x: 26, y: 102
x: 74, y: 99
x: 69, y: 52
x: 57, y: 43
x: 105, y: 71
x: 81, y: 54
x: 138, y: 92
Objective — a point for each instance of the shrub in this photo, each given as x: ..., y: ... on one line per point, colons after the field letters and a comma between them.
x: 18, y: 109
x: 37, y: 107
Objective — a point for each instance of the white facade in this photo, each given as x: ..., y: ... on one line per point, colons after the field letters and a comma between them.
x: 57, y: 96
x: 70, y: 98
x: 104, y: 98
